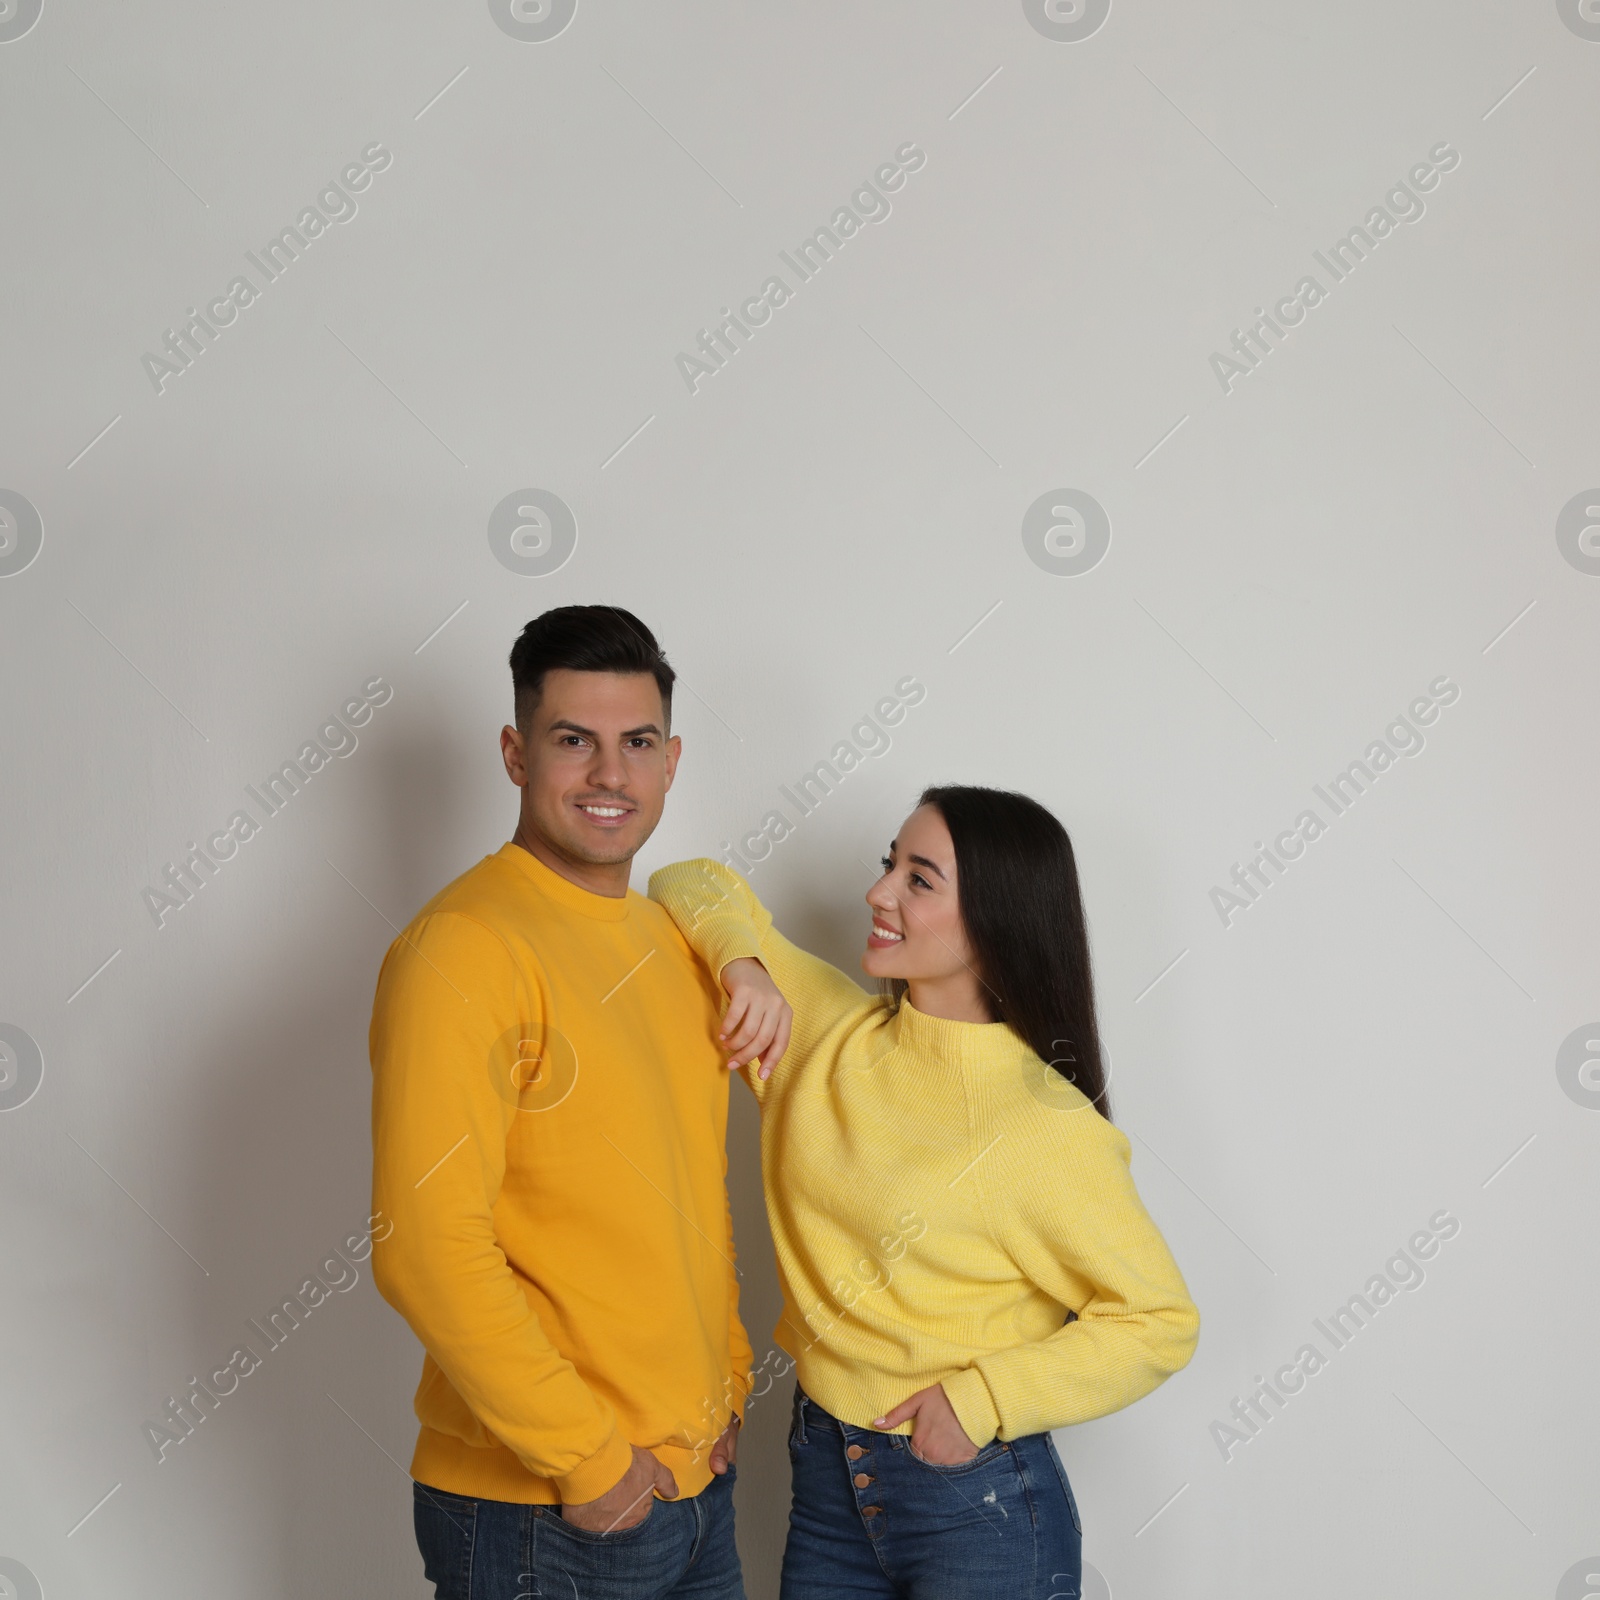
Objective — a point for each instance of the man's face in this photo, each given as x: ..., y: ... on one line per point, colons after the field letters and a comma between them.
x: 594, y: 764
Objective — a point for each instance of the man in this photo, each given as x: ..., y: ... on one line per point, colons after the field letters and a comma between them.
x: 548, y: 1121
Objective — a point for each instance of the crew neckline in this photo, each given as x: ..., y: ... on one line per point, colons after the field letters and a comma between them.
x: 549, y: 882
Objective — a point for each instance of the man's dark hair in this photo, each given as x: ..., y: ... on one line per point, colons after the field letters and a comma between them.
x: 585, y: 639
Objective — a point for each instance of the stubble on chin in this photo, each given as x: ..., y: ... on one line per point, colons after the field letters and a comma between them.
x: 588, y: 855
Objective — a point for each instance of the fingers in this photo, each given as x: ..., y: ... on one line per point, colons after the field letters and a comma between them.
x: 757, y: 1047
x: 901, y: 1413
x: 742, y: 1021
x: 738, y: 1004
x: 666, y: 1484
x: 783, y: 1023
x: 748, y: 1039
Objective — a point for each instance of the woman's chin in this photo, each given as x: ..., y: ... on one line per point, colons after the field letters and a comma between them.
x: 878, y: 963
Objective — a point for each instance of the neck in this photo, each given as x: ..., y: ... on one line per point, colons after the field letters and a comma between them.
x: 958, y: 998
x: 609, y: 878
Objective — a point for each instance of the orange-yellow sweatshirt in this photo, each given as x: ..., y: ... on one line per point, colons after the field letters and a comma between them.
x: 549, y: 1112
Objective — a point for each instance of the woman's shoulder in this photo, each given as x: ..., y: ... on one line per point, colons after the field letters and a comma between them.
x: 1039, y: 1105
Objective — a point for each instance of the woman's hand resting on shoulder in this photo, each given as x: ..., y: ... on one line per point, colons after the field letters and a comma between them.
x: 757, y: 1021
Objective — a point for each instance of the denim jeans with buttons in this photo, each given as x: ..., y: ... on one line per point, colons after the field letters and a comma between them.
x: 870, y: 1517
x: 496, y: 1550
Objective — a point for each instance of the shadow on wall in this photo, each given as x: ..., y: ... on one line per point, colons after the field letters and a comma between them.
x: 762, y: 1505
x: 317, y: 1437
x: 444, y: 804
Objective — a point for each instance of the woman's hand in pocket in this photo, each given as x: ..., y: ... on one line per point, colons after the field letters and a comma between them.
x: 758, y: 1019
x: 936, y: 1434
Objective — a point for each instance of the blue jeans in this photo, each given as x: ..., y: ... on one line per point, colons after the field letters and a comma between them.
x: 872, y: 1518
x: 494, y: 1550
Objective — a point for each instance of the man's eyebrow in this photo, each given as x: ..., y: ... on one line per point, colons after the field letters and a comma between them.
x: 588, y: 733
x: 923, y: 861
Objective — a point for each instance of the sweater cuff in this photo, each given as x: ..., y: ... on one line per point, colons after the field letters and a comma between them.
x: 602, y: 1471
x: 720, y: 945
x: 973, y: 1405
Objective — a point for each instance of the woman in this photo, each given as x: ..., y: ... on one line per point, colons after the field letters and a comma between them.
x: 965, y: 1261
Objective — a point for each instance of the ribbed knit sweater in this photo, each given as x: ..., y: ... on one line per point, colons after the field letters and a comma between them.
x: 939, y: 1198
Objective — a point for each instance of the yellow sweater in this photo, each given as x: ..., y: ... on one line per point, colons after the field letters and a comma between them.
x: 549, y: 1112
x: 938, y: 1199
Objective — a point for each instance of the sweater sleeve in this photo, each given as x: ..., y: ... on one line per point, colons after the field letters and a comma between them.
x: 1074, y: 1223
x: 740, y: 1355
x: 447, y: 996
x: 720, y: 916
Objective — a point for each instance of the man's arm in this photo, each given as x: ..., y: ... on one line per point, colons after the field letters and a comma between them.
x: 448, y: 996
x: 740, y: 1355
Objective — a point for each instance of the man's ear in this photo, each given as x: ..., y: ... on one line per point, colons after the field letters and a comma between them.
x: 674, y: 749
x: 514, y: 756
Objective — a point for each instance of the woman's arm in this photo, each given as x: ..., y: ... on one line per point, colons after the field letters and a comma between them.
x: 1068, y: 1213
x: 723, y: 921
x: 758, y: 1020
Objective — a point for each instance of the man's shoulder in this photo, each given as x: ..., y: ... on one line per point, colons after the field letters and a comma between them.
x: 669, y: 938
x: 482, y: 893
x: 482, y: 906
x: 492, y: 903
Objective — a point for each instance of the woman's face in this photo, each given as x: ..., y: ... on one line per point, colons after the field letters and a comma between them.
x: 916, y: 908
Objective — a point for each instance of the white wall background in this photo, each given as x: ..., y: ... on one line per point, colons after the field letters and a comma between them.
x: 224, y: 562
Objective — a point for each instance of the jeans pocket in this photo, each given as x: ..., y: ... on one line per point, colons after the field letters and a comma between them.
x: 990, y: 1451
x: 1066, y: 1486
x: 446, y: 1527
x: 618, y: 1536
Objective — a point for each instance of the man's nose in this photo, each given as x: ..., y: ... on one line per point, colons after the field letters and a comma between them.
x: 607, y: 771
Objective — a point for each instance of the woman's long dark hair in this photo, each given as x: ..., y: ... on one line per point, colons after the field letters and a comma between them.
x: 1023, y: 914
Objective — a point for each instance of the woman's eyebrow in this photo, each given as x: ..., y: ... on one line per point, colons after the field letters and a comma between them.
x: 923, y: 861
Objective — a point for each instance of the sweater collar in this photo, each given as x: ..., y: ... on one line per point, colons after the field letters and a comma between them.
x: 986, y: 1044
x: 550, y: 883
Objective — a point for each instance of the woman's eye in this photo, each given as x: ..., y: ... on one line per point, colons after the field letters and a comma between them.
x: 916, y: 877
x: 888, y: 865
